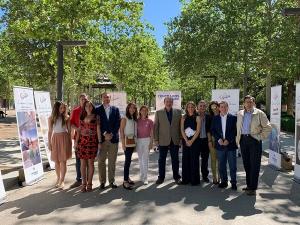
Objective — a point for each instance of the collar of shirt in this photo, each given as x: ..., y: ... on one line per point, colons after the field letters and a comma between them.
x: 224, y: 116
x: 106, y: 106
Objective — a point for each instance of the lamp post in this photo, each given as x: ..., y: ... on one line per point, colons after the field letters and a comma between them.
x: 291, y: 12
x: 60, y: 63
x: 215, y: 80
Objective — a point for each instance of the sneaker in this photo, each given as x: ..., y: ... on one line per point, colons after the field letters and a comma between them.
x: 75, y: 184
x: 113, y: 185
x: 223, y: 185
x: 145, y: 182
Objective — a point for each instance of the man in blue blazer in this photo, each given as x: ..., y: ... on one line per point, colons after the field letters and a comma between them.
x: 223, y: 129
x: 109, y: 126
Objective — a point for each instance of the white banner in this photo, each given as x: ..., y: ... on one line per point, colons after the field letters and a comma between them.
x: 297, y: 132
x: 175, y: 95
x: 28, y: 136
x: 43, y: 108
x: 119, y: 99
x: 275, y: 117
x: 2, y: 190
x: 231, y: 96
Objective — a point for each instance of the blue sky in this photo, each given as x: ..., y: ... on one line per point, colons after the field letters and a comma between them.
x: 157, y: 12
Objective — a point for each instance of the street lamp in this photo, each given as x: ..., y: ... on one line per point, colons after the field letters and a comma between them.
x: 60, y: 63
x: 291, y: 12
x: 215, y: 80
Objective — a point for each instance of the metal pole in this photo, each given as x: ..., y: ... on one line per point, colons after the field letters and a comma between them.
x: 60, y: 71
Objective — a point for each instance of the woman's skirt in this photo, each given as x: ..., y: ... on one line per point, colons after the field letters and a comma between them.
x: 61, y: 147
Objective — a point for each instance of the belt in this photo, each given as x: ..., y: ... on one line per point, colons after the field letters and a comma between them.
x: 245, y: 135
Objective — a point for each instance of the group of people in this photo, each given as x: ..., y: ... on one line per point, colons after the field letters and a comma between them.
x: 200, y: 132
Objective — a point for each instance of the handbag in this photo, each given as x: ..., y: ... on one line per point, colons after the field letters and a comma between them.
x: 130, y: 141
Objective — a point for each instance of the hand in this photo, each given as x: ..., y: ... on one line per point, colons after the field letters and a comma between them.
x: 50, y: 147
x: 156, y: 143
x: 150, y: 146
x: 220, y: 141
x: 123, y: 146
x: 75, y: 146
x: 107, y: 137
x: 99, y: 146
x: 210, y: 145
x: 189, y: 143
x: 226, y: 142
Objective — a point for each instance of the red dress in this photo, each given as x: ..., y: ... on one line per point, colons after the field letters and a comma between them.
x: 88, y: 141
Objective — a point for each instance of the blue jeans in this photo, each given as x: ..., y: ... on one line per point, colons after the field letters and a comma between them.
x: 223, y: 157
x: 78, y: 173
x: 163, y: 152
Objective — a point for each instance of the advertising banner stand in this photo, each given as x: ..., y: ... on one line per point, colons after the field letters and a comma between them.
x: 2, y: 191
x: 274, y: 137
x: 44, y: 109
x: 297, y: 134
x: 161, y: 95
x: 119, y: 99
x: 28, y: 135
x: 231, y: 96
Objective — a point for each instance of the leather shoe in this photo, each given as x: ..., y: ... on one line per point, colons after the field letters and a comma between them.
x: 75, y: 184
x: 102, y: 186
x: 251, y: 192
x: 234, y: 187
x: 206, y: 180
x: 223, y: 185
x: 178, y: 181
x: 159, y: 181
x: 113, y: 185
x: 245, y: 189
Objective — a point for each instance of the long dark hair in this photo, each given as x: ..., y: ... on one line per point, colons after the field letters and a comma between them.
x: 55, y: 113
x: 211, y: 112
x: 83, y: 113
x: 128, y: 115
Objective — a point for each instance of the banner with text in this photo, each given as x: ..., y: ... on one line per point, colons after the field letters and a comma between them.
x: 119, y: 99
x: 231, y: 96
x: 43, y: 109
x: 275, y: 117
x: 297, y: 132
x: 175, y: 95
x: 2, y: 190
x: 28, y: 136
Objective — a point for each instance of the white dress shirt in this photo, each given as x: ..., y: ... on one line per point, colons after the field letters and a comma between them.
x: 107, y: 110
x: 223, y: 121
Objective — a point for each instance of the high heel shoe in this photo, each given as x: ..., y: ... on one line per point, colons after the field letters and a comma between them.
x: 127, y: 186
x: 89, y: 187
x: 83, y: 188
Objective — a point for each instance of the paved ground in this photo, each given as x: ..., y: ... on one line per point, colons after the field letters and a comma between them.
x: 277, y: 201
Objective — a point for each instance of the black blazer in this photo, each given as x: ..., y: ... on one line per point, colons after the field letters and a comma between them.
x: 111, y: 125
x: 230, y: 132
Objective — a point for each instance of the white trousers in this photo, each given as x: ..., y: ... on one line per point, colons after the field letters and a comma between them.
x: 142, y: 148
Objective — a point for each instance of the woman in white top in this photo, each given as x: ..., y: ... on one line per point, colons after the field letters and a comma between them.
x: 60, y: 143
x: 128, y: 132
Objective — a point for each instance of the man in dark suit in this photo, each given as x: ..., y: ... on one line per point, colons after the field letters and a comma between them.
x: 224, y: 131
x: 109, y: 127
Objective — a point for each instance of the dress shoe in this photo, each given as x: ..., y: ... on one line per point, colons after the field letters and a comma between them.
x: 127, y: 186
x: 223, y: 185
x: 113, y: 185
x: 251, y: 192
x: 75, y: 184
x: 245, y: 189
x: 102, y: 186
x: 234, y: 187
x: 206, y: 180
x: 178, y: 181
x: 159, y: 181
x: 131, y: 182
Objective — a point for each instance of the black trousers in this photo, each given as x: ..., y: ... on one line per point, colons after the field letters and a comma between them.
x: 190, y: 163
x: 251, y: 152
x: 204, y: 153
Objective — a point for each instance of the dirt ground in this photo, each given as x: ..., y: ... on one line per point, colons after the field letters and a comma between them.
x: 8, y: 126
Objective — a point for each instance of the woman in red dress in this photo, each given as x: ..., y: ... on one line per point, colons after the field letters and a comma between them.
x: 87, y: 144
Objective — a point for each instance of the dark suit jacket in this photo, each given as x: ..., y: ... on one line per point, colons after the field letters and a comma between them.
x: 111, y: 125
x: 230, y: 132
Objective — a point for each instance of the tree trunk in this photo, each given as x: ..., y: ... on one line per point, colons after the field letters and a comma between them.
x: 290, y: 97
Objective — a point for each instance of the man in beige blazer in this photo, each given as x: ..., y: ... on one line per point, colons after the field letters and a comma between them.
x: 167, y: 137
x: 253, y: 126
